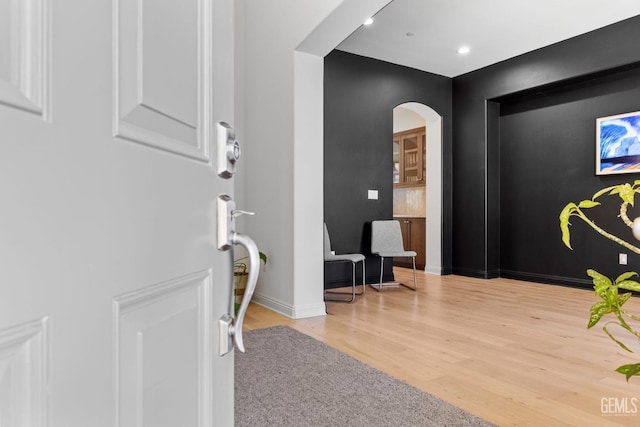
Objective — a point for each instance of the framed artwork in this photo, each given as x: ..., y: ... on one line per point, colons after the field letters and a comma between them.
x: 618, y: 144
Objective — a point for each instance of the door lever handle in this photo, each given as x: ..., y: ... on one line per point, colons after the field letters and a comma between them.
x: 230, y: 329
x: 252, y: 280
x: 237, y: 212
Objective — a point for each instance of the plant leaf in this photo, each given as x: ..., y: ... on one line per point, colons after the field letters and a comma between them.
x: 612, y: 296
x: 627, y: 194
x: 625, y: 276
x: 564, y: 223
x: 601, y: 282
x: 598, y: 310
x: 623, y: 298
x: 630, y: 285
x: 588, y: 204
x: 610, y: 190
x: 566, y: 234
x: 629, y: 370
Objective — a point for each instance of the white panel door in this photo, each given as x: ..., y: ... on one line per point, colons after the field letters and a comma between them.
x: 111, y: 283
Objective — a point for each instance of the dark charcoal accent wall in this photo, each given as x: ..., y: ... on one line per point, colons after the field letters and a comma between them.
x: 360, y: 94
x: 522, y: 146
x: 547, y: 159
x: 483, y: 217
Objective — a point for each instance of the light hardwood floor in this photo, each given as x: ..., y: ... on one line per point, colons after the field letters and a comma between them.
x: 511, y: 352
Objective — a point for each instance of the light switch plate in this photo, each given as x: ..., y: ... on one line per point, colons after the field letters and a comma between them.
x: 622, y: 259
x: 372, y: 194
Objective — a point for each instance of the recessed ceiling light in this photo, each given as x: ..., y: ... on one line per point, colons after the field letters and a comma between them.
x: 368, y: 21
x: 464, y: 50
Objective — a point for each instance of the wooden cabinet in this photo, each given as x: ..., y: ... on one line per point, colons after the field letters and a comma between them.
x: 413, y: 236
x: 409, y: 157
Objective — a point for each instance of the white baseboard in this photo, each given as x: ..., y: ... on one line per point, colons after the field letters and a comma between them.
x: 292, y: 312
x: 432, y: 269
x: 309, y: 310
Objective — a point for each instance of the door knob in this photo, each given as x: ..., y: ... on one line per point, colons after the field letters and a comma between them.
x: 228, y: 152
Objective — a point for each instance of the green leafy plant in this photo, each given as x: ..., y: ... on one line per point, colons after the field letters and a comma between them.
x: 612, y: 301
x: 241, y: 265
x: 626, y: 192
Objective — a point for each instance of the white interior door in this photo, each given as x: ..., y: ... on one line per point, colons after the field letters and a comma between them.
x: 111, y: 284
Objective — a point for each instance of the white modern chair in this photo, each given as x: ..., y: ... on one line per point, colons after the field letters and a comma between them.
x: 353, y: 259
x: 386, y: 242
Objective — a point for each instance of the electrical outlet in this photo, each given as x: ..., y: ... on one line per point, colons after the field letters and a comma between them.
x: 622, y: 259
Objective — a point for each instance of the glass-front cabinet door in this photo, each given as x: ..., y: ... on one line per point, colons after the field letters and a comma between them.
x: 409, y: 157
x: 396, y: 161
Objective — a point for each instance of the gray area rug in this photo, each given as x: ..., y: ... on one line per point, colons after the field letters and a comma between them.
x: 287, y: 378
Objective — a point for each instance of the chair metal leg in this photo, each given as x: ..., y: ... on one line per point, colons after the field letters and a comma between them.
x: 415, y: 287
x: 353, y: 286
x: 364, y: 277
x: 381, y: 271
x: 378, y: 286
x: 353, y: 282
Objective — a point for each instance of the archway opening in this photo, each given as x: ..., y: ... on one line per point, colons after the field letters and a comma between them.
x: 417, y: 193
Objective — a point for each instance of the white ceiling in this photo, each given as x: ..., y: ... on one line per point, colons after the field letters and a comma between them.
x: 495, y: 30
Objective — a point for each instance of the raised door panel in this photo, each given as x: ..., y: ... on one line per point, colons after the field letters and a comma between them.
x: 162, y: 352
x: 24, y: 55
x: 161, y: 72
x: 24, y: 375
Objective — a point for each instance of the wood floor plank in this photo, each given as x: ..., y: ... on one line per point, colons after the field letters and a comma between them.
x: 511, y: 352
